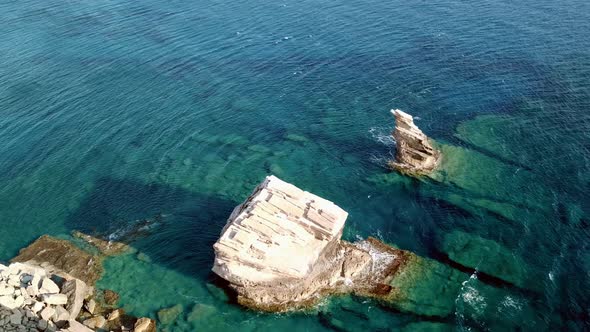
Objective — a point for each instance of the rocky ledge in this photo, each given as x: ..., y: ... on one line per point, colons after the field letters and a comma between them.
x: 49, y: 287
x: 282, y: 250
x: 415, y: 154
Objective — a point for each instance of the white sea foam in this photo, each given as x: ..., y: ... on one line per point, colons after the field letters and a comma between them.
x: 134, y: 227
x: 381, y: 259
x: 510, y: 304
x: 471, y: 297
x: 379, y: 160
x: 382, y: 135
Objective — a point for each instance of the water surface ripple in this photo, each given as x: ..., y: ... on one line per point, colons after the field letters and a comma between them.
x: 116, y: 112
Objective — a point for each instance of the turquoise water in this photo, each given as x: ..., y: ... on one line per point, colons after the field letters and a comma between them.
x: 114, y: 112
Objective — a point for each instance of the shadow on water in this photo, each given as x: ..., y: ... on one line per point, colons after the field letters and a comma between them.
x: 180, y: 226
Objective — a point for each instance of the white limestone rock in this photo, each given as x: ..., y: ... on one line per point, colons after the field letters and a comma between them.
x: 6, y: 290
x: 13, y: 280
x: 278, y: 221
x: 47, y: 313
x: 37, y: 306
x: 56, y: 299
x: 76, y: 291
x: 48, y: 286
x: 61, y: 314
x: 8, y: 302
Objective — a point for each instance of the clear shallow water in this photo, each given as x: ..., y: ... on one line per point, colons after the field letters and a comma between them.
x: 113, y: 112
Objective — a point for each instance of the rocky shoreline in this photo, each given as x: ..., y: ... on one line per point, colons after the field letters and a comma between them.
x: 49, y: 286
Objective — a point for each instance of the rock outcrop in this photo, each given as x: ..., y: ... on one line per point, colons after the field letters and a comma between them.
x: 281, y: 250
x: 415, y: 154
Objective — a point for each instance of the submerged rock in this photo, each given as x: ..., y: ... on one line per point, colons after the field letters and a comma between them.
x: 297, y: 138
x: 281, y: 250
x: 415, y: 154
x: 106, y: 247
x: 486, y: 256
x: 110, y: 297
x: 169, y: 315
x: 201, y: 311
x: 62, y: 257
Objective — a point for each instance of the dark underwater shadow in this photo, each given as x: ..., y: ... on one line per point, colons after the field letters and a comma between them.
x: 172, y: 226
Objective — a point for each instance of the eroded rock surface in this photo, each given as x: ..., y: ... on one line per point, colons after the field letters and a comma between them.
x: 281, y: 250
x: 61, y: 256
x: 415, y: 154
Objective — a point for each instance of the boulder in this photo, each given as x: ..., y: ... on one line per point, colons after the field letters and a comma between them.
x: 76, y: 291
x: 42, y: 324
x: 37, y: 306
x: 110, y: 297
x: 61, y: 314
x: 145, y: 325
x: 415, y: 154
x: 96, y: 322
x: 169, y: 315
x: 115, y: 314
x: 7, y: 301
x: 16, y: 317
x: 90, y: 306
x: 200, y: 312
x: 57, y: 299
x: 6, y: 290
x: 48, y: 286
x: 47, y: 313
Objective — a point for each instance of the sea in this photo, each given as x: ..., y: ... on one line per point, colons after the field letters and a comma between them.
x: 149, y: 121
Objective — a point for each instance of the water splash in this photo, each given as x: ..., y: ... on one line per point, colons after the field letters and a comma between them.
x: 382, y: 135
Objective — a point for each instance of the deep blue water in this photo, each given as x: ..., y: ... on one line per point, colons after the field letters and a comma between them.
x: 113, y: 112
